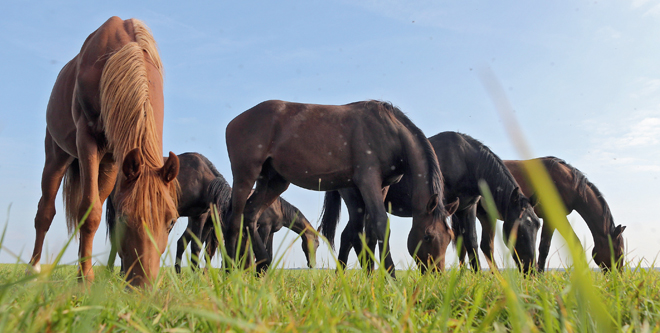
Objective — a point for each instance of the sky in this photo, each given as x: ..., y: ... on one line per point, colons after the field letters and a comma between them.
x: 583, y: 78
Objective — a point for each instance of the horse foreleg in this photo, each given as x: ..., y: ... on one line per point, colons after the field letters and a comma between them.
x: 544, y: 247
x: 468, y: 220
x: 266, y: 234
x: 57, y: 162
x: 88, y: 157
x: 181, y: 245
x: 196, y: 227
x: 107, y: 176
x: 269, y: 186
x: 487, y: 238
x: 376, y: 223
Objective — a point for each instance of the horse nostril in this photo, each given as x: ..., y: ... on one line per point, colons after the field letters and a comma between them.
x: 428, y: 238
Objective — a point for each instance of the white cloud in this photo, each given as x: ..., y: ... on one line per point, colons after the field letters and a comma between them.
x: 654, y: 11
x: 643, y: 133
x: 646, y: 87
x: 639, y: 3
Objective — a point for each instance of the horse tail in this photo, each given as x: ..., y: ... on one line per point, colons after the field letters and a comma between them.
x: 330, y: 216
x: 110, y: 215
x: 72, y: 193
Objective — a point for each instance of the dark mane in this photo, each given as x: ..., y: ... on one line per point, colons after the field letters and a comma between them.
x: 434, y: 173
x: 582, y: 184
x: 492, y: 169
x: 220, y: 193
x: 210, y: 165
x: 290, y: 212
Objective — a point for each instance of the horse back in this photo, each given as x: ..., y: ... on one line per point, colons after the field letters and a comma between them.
x: 76, y: 92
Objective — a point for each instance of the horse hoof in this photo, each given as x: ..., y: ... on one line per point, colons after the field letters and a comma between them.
x: 36, y: 269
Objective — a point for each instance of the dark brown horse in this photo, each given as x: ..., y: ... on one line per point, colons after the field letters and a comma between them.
x: 279, y: 214
x: 580, y: 195
x: 367, y: 145
x: 202, y: 185
x: 463, y: 161
x: 105, y: 114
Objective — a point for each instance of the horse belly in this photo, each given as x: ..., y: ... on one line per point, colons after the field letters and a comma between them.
x: 314, y: 179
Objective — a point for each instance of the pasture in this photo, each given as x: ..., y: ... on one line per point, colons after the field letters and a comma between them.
x: 457, y: 300
x: 582, y: 77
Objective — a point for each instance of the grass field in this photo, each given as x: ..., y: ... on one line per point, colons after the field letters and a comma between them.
x: 325, y: 300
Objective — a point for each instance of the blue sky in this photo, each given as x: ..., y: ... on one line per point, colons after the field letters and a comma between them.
x: 583, y: 78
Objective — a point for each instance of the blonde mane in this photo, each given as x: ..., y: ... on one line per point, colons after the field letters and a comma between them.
x: 129, y: 122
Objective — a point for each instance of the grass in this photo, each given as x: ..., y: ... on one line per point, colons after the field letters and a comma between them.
x: 324, y: 300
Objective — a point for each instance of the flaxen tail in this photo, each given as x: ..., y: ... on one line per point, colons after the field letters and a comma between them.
x: 72, y: 193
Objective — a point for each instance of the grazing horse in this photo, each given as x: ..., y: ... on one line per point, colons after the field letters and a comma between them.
x: 367, y: 145
x: 105, y: 114
x: 279, y: 214
x: 202, y: 185
x: 463, y: 161
x: 580, y: 195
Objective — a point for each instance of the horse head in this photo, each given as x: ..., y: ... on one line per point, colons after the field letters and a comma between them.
x: 144, y: 218
x: 522, y: 223
x: 428, y: 243
x: 602, y: 254
x: 310, y: 243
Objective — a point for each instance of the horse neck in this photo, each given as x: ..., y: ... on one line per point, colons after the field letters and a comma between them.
x: 220, y: 194
x: 295, y: 220
x: 500, y: 182
x: 419, y: 174
x: 598, y: 218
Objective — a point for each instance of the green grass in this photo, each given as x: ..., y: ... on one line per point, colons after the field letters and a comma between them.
x: 323, y: 300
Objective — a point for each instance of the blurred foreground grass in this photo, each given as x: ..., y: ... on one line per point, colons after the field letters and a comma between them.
x: 323, y: 300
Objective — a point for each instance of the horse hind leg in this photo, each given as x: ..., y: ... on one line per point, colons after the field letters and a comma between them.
x: 57, y: 162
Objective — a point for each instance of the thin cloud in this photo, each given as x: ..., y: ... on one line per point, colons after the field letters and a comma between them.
x: 643, y: 133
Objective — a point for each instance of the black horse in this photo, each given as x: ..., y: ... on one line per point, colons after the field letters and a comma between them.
x: 364, y: 145
x: 202, y: 185
x: 463, y: 161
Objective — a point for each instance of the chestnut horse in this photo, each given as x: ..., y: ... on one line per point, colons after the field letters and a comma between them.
x: 580, y: 195
x: 463, y: 161
x: 105, y: 114
x: 202, y: 185
x: 367, y: 145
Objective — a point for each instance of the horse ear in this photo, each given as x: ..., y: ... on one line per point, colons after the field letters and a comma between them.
x: 452, y: 207
x: 433, y: 202
x: 618, y: 230
x: 170, y: 170
x: 132, y: 166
